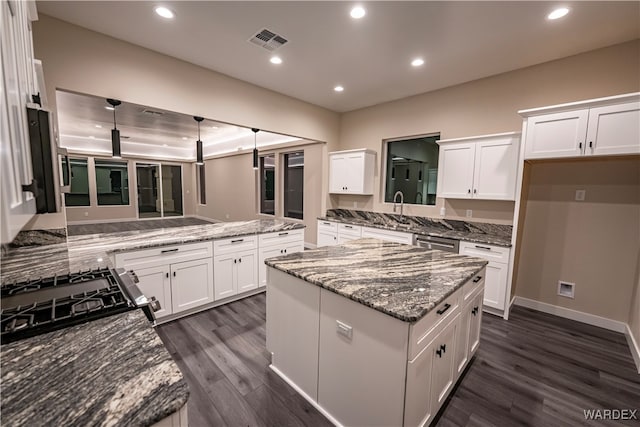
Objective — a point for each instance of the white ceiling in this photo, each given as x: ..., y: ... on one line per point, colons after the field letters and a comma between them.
x: 84, y: 126
x: 460, y: 41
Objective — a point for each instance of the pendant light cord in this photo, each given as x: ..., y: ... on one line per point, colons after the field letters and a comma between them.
x: 114, y: 118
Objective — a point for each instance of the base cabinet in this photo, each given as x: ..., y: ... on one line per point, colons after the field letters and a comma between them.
x: 356, y: 363
x: 277, y: 244
x: 495, y: 287
x: 191, y: 284
x: 235, y: 273
x: 155, y: 281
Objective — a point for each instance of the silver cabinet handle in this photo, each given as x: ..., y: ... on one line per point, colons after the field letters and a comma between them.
x: 483, y: 247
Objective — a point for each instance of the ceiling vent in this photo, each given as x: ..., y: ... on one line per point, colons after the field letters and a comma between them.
x: 268, y: 40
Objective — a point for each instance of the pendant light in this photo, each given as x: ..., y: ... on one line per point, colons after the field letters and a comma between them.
x: 115, y: 133
x: 199, y: 159
x: 255, y: 147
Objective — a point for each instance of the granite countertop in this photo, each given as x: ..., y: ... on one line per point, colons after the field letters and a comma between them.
x: 403, y: 281
x: 477, y: 232
x: 113, y: 371
x: 88, y: 252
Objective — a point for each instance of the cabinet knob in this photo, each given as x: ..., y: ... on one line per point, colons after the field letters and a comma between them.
x: 240, y: 260
x: 580, y: 145
x: 590, y: 144
x: 285, y: 251
x: 443, y: 347
x: 167, y: 275
x: 469, y: 191
x: 475, y: 191
x: 235, y: 261
x: 439, y: 352
x: 174, y: 274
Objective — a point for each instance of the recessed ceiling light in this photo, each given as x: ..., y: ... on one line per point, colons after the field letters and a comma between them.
x: 338, y: 88
x: 184, y: 138
x: 358, y: 12
x: 276, y: 60
x: 109, y: 108
x: 558, y: 13
x: 99, y: 126
x: 165, y: 12
x: 417, y: 62
x: 214, y: 127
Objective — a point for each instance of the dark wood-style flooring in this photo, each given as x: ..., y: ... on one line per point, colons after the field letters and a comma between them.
x: 147, y: 224
x: 535, y: 369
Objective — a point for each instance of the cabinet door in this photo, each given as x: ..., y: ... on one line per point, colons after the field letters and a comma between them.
x: 462, y: 338
x: 247, y: 271
x: 496, y: 164
x: 443, y: 375
x: 343, y: 238
x: 417, y: 407
x: 456, y: 163
x: 326, y: 238
x: 475, y: 308
x: 614, y: 129
x: 18, y: 207
x: 155, y: 282
x: 223, y: 276
x: 354, y: 173
x: 268, y: 252
x: 191, y: 284
x: 337, y: 179
x: 495, y: 285
x: 556, y: 135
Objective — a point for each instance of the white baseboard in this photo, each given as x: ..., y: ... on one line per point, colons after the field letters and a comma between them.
x: 204, y: 218
x: 306, y: 396
x: 633, y: 346
x: 567, y: 313
x: 308, y: 245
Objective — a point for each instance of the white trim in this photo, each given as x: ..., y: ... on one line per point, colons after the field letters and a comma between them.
x: 627, y: 97
x: 633, y: 346
x: 567, y: 313
x: 306, y: 396
x: 308, y: 245
x: 479, y: 137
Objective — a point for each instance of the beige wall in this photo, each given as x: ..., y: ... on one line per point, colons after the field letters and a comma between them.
x: 76, y: 214
x: 84, y: 61
x: 634, y: 311
x: 486, y: 106
x: 232, y: 187
x: 593, y: 243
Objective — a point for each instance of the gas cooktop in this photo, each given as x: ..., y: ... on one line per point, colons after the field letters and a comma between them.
x: 36, y: 307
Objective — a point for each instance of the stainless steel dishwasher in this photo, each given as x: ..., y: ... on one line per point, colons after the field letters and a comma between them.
x: 441, y: 243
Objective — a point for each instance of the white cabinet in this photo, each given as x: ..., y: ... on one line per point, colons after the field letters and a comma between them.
x: 235, y: 266
x: 277, y: 244
x: 180, y: 277
x: 444, y: 372
x: 351, y: 172
x: 607, y: 126
x: 387, y: 235
x: 17, y: 75
x: 327, y: 233
x: 468, y: 337
x: 348, y: 232
x: 481, y: 167
x: 495, y: 288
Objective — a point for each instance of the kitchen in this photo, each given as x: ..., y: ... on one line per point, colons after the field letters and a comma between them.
x: 487, y: 104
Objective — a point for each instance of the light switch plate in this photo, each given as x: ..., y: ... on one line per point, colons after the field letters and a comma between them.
x: 469, y: 213
x: 580, y: 195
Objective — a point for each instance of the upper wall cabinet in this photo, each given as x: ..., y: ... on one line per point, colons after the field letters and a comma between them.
x: 606, y: 126
x: 482, y: 167
x: 351, y: 171
x: 17, y: 75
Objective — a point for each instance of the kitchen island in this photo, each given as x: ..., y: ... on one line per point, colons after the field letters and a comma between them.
x: 372, y: 332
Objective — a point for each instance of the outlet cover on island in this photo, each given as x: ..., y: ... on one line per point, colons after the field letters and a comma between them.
x: 566, y: 289
x: 469, y: 213
x: 580, y: 195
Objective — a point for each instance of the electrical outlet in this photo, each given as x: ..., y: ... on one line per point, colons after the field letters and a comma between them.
x: 355, y: 204
x: 227, y: 216
x: 443, y: 211
x: 580, y: 195
x: 86, y: 213
x: 469, y: 213
x: 566, y: 289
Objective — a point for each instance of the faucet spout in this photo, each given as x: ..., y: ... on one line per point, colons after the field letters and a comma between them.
x: 395, y: 198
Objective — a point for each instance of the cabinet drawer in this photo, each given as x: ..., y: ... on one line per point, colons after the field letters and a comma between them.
x: 351, y: 230
x: 328, y: 226
x: 423, y: 332
x: 290, y: 236
x: 164, y: 255
x: 471, y: 287
x: 488, y: 252
x: 234, y: 244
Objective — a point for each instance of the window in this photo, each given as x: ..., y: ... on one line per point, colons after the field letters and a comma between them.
x: 412, y: 168
x: 201, y: 179
x: 112, y: 182
x: 293, y: 184
x: 267, y: 184
x: 79, y: 191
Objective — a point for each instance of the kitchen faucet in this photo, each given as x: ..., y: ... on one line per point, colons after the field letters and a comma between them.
x: 395, y: 196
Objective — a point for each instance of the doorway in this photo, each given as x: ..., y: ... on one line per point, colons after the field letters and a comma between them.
x: 159, y: 190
